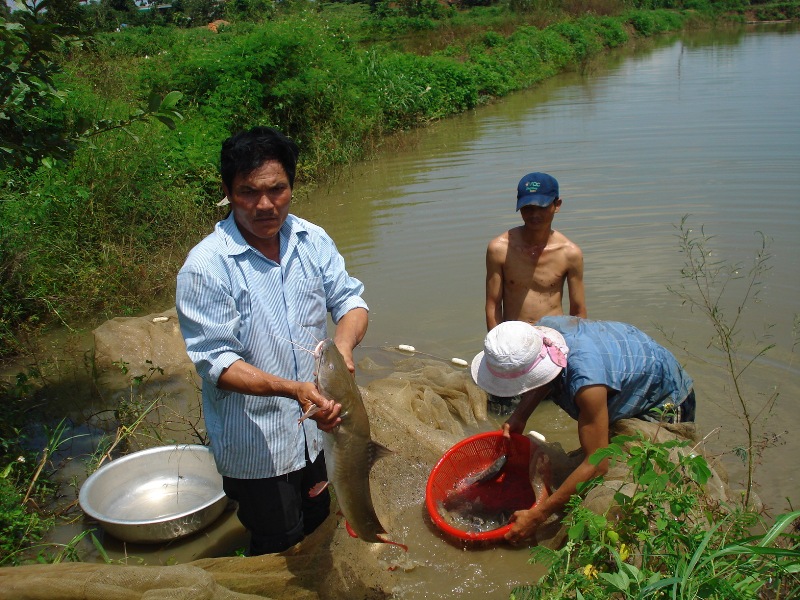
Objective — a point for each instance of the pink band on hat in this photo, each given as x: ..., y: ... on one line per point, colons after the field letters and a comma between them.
x: 557, y: 357
x: 554, y: 352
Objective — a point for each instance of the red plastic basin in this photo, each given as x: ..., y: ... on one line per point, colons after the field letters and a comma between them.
x: 510, y: 491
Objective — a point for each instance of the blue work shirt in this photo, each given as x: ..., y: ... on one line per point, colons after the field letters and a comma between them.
x: 234, y: 303
x: 640, y: 373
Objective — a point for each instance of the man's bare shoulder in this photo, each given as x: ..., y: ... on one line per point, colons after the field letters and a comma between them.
x: 498, y: 246
x: 500, y: 240
x: 562, y: 242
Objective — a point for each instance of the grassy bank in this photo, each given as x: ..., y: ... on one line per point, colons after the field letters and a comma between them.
x: 102, y: 231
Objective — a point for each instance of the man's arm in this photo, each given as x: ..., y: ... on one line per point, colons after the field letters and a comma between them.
x: 495, y: 256
x: 244, y: 378
x: 577, y: 299
x: 592, y: 403
x: 349, y: 332
x: 527, y: 404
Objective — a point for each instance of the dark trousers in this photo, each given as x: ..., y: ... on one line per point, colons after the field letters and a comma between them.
x: 277, y: 511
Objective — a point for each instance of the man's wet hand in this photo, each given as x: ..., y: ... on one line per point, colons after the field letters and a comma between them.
x: 524, y: 524
x: 327, y: 420
x: 310, y: 399
x: 317, y: 407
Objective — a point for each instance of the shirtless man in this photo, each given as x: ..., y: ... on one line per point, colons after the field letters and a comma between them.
x: 526, y: 266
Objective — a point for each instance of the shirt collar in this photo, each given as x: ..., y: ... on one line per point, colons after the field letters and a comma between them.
x: 238, y: 245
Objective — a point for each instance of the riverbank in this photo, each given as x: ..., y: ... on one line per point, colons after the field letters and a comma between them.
x: 102, y: 233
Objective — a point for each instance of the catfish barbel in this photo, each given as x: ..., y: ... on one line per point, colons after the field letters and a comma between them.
x: 349, y: 449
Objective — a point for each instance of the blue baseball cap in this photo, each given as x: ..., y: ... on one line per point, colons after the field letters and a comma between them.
x: 536, y: 188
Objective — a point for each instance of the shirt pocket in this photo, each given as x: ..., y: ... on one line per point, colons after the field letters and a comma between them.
x: 309, y: 306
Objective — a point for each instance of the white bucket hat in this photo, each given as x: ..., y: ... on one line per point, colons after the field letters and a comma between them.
x: 518, y: 357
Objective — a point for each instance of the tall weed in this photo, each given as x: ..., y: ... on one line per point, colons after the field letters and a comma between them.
x: 722, y: 292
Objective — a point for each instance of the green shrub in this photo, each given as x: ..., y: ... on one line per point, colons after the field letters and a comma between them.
x: 18, y: 526
x: 643, y: 22
x: 583, y: 40
x: 412, y: 90
x: 610, y: 30
x: 666, y: 539
x: 492, y: 39
x: 250, y: 10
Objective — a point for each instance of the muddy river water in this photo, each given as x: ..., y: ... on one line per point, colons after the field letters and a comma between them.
x: 702, y: 124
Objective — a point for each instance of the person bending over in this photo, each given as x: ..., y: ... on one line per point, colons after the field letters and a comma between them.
x: 597, y: 371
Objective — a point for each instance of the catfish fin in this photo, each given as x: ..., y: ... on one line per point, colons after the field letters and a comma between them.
x: 311, y: 411
x: 382, y: 540
x: 318, y: 488
x: 376, y: 451
x: 403, y: 546
x: 349, y: 529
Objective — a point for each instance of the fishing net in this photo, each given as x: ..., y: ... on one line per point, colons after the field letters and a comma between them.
x: 432, y: 403
x: 69, y: 581
x: 418, y: 408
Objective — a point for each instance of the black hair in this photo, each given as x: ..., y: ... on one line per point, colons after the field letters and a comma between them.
x: 246, y: 151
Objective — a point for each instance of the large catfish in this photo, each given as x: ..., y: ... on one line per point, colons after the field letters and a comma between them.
x: 349, y: 450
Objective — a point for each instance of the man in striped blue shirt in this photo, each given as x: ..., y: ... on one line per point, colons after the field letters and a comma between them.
x: 252, y: 297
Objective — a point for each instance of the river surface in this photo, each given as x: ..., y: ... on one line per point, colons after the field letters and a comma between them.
x: 705, y: 125
x: 702, y: 124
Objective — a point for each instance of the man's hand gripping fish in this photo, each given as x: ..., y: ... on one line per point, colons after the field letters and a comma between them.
x: 349, y: 450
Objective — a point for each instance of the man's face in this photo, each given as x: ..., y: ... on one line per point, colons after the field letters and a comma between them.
x: 540, y: 216
x: 260, y: 202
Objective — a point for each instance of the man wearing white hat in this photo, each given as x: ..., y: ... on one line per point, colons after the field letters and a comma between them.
x: 597, y: 371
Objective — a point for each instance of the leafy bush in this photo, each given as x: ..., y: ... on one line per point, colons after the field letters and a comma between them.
x: 665, y: 539
x: 18, y: 526
x: 643, y: 22
x: 648, y: 23
x: 610, y: 30
x: 412, y: 90
x: 30, y: 122
x: 583, y: 40
x: 250, y: 10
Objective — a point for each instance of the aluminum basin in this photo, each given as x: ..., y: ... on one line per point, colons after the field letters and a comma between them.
x: 155, y: 495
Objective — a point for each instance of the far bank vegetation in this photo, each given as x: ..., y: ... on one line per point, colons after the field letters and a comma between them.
x: 111, y: 116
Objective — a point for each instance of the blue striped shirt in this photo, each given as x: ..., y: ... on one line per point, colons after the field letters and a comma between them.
x: 234, y: 303
x: 640, y: 373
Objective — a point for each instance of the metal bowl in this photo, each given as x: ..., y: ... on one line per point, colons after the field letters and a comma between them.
x: 155, y: 495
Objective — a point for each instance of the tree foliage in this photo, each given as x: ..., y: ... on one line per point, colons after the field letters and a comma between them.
x: 34, y: 127
x: 27, y: 92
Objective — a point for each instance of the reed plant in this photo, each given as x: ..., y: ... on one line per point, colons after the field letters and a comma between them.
x: 722, y: 292
x: 26, y: 489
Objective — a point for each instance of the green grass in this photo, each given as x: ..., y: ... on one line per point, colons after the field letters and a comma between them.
x: 102, y: 233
